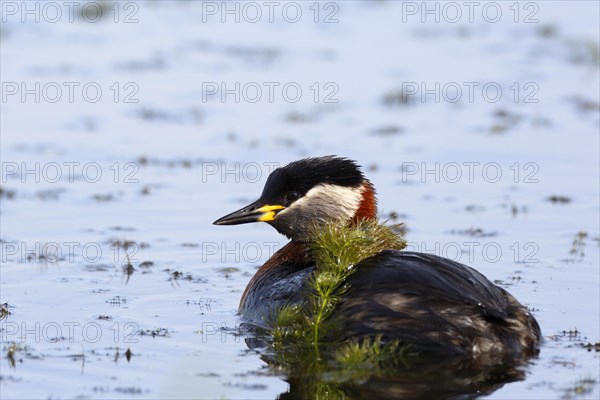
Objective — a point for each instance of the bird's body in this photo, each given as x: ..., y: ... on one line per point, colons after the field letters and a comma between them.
x: 434, y: 304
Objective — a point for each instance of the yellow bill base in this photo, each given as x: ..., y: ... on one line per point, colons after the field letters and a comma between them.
x: 268, y: 212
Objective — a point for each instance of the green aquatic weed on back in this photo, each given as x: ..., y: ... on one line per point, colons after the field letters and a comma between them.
x: 336, y: 250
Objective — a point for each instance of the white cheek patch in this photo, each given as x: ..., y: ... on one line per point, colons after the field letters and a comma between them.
x: 327, y: 200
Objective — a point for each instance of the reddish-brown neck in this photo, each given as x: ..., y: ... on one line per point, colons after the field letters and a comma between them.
x: 367, y: 208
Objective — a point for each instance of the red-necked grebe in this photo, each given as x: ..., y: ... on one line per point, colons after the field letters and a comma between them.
x: 432, y: 303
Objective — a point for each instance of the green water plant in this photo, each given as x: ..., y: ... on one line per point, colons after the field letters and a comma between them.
x: 306, y: 338
x: 336, y: 250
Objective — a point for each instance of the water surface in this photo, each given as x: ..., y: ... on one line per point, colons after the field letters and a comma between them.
x: 174, y: 156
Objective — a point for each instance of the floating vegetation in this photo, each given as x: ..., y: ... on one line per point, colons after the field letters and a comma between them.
x: 16, y: 352
x: 50, y: 194
x: 192, y: 116
x: 336, y: 250
x: 591, y: 346
x: 128, y: 269
x: 398, y: 98
x: 132, y: 390
x: 582, y: 387
x: 98, y: 267
x: 306, y: 337
x: 515, y: 209
x: 585, y: 105
x: 547, y: 31
x: 571, y: 334
x: 504, y: 120
x: 300, y: 118
x: 11, y: 351
x: 117, y: 301
x: 473, y: 232
x: 127, y: 245
x: 474, y: 208
x: 185, y: 163
x: 254, y: 55
x: 578, y: 245
x: 558, y: 199
x: 203, y: 304
x: 103, y: 198
x: 160, y: 332
x: 388, y: 130
x: 46, y: 253
x: 4, y: 311
x: 175, y: 276
x: 7, y: 193
x: 146, y: 264
x: 128, y: 354
x: 158, y: 115
x: 122, y: 228
x: 373, y: 167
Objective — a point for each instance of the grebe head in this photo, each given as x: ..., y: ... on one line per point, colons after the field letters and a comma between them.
x: 308, y: 192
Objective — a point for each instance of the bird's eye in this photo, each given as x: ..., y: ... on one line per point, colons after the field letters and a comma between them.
x: 291, y: 197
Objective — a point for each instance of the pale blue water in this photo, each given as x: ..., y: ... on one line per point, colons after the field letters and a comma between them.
x: 182, y: 155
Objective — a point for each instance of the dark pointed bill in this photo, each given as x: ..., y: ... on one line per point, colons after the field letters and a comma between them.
x: 254, y: 212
